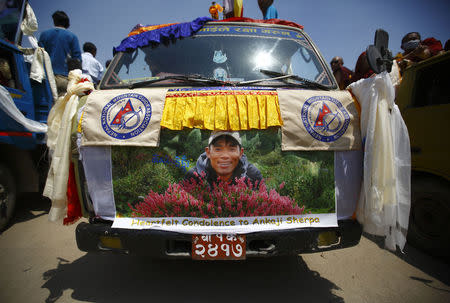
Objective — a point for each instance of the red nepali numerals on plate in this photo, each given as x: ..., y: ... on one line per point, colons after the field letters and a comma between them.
x: 218, y: 247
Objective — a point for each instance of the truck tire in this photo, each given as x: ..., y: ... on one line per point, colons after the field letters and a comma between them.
x: 7, y: 196
x: 429, y: 221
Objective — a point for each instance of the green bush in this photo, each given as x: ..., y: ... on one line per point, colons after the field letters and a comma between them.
x: 309, y: 183
x: 137, y: 184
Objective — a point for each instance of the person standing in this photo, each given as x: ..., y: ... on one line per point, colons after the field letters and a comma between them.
x: 233, y: 8
x: 343, y: 75
x: 90, y: 65
x: 60, y: 44
x: 268, y: 10
x: 416, y: 50
x: 215, y: 9
x: 228, y: 9
x: 362, y: 68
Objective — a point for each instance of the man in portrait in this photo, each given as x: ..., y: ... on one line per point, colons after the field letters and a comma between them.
x: 224, y: 160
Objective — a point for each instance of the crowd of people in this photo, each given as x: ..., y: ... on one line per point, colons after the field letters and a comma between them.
x: 414, y: 50
x: 65, y: 54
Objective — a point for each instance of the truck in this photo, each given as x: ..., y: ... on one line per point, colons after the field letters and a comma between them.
x: 218, y: 140
x: 23, y: 161
x: 423, y: 99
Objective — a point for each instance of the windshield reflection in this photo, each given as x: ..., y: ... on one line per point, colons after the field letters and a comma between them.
x: 219, y: 56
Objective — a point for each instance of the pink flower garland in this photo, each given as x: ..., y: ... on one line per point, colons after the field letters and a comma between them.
x: 194, y: 198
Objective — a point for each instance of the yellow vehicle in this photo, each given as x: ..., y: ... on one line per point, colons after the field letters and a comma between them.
x: 423, y: 98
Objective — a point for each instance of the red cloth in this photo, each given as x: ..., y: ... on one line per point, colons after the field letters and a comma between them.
x: 347, y: 76
x: 362, y: 68
x: 270, y: 21
x: 73, y: 202
x: 435, y: 46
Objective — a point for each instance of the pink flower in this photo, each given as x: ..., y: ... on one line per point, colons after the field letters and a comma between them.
x: 197, y: 198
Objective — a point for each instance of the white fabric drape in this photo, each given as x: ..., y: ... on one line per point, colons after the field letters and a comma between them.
x: 384, y: 203
x: 40, y: 58
x: 98, y: 171
x: 38, y: 72
x: 8, y: 106
x: 348, y: 170
x: 58, y: 142
x: 29, y: 24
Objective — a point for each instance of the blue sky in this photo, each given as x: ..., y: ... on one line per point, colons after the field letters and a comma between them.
x: 339, y: 28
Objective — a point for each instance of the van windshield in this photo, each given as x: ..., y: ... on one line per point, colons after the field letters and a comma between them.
x: 231, y: 53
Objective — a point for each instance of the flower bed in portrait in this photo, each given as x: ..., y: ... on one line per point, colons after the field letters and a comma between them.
x: 196, y: 198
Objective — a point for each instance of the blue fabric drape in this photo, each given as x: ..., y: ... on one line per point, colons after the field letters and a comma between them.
x: 178, y: 30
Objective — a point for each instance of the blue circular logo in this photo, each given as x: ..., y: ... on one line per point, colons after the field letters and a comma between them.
x: 325, y: 118
x: 126, y: 116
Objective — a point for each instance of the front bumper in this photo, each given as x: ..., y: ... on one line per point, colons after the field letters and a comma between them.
x: 100, y: 237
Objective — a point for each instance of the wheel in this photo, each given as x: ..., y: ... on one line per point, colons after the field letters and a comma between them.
x: 7, y: 196
x: 429, y: 221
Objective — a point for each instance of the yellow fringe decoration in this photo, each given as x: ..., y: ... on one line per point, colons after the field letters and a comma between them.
x: 148, y: 28
x: 231, y: 110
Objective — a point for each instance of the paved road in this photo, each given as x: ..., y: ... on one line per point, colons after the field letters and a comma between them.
x: 39, y: 262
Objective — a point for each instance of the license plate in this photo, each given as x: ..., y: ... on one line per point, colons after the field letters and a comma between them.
x: 218, y: 247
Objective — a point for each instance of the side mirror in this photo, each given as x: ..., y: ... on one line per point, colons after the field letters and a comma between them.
x: 378, y: 55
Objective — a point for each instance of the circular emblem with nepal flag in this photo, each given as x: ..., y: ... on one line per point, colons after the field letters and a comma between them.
x: 325, y: 118
x: 126, y: 116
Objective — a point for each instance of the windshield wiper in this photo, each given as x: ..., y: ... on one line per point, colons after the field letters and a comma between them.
x: 283, y: 76
x: 183, y: 78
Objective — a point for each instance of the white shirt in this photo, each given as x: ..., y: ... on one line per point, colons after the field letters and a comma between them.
x: 91, y: 66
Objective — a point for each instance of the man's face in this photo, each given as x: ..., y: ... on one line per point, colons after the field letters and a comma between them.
x: 412, y: 36
x: 224, y: 157
x: 335, y: 63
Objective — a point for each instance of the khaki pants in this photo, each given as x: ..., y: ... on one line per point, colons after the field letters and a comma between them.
x: 61, y: 84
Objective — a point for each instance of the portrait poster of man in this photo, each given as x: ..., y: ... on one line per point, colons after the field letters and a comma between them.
x: 222, y: 178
